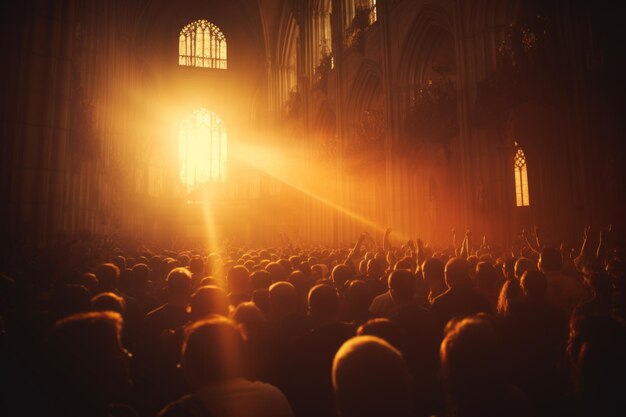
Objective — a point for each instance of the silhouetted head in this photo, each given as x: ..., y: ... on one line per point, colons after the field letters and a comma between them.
x: 142, y: 276
x: 534, y: 284
x: 370, y: 378
x: 363, y: 267
x: 250, y: 318
x: 119, y: 261
x: 89, y: 281
x: 196, y: 265
x: 358, y: 297
x: 469, y: 354
x: 510, y: 297
x: 550, y: 260
x: 457, y: 273
x: 208, y: 300
x: 238, y: 280
x: 178, y: 284
x: 260, y: 279
x: 261, y: 299
x: 323, y: 303
x: 405, y: 262
x: 212, y: 352
x: 295, y: 261
x: 107, y: 275
x: 283, y: 299
x: 384, y: 329
x: 277, y: 271
x: 340, y: 275
x: 402, y: 284
x: 600, y: 284
x: 108, y: 301
x: 433, y: 271
x: 211, y: 281
x: 596, y: 350
x: 522, y: 265
x: 486, y: 276
x: 126, y: 281
x: 70, y: 299
x: 89, y: 363
x: 472, y: 261
x: 375, y: 268
x: 508, y: 268
x: 298, y: 280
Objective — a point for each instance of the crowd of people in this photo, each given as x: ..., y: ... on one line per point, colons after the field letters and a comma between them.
x: 372, y: 330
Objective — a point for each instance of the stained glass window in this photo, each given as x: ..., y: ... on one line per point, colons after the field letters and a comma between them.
x: 520, y: 169
x: 202, y: 44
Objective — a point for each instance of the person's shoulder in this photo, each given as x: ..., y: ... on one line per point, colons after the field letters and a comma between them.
x: 441, y: 298
x: 187, y: 406
x: 270, y: 393
x: 382, y: 298
x: 157, y: 312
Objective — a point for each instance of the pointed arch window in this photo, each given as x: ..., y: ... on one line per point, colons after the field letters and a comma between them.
x: 202, y: 44
x: 520, y: 170
x: 202, y: 149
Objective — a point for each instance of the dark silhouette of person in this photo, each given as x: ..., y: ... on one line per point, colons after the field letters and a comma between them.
x: 238, y: 283
x: 213, y: 365
x: 537, y: 336
x: 208, y: 300
x: 596, y: 351
x: 371, y: 379
x: 471, y: 368
x: 460, y: 300
x: 88, y: 365
x: 308, y: 382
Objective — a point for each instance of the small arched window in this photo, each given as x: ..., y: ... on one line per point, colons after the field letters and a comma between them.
x: 520, y: 170
x: 202, y: 149
x: 202, y: 44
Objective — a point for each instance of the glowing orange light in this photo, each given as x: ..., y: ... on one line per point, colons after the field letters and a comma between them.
x: 202, y: 149
x: 522, y: 196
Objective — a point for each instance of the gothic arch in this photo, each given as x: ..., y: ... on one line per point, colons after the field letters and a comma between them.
x: 366, y: 92
x: 287, y: 55
x: 324, y: 121
x: 431, y: 27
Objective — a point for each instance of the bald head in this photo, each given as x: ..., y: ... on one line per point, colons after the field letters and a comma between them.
x: 283, y: 298
x: 457, y: 273
x: 323, y: 302
x: 370, y: 378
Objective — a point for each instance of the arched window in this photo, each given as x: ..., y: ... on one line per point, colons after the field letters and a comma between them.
x: 202, y: 149
x: 202, y: 44
x: 520, y: 169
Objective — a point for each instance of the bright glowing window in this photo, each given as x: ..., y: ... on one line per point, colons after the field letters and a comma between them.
x: 369, y: 5
x: 522, y: 197
x: 202, y: 149
x: 202, y: 44
x: 373, y: 13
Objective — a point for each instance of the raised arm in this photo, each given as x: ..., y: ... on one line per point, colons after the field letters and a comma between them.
x: 454, y: 242
x: 603, y: 243
x: 370, y: 242
x: 537, y: 240
x: 421, y: 256
x: 465, y: 246
x: 527, y: 242
x: 386, y: 242
x: 583, y: 248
